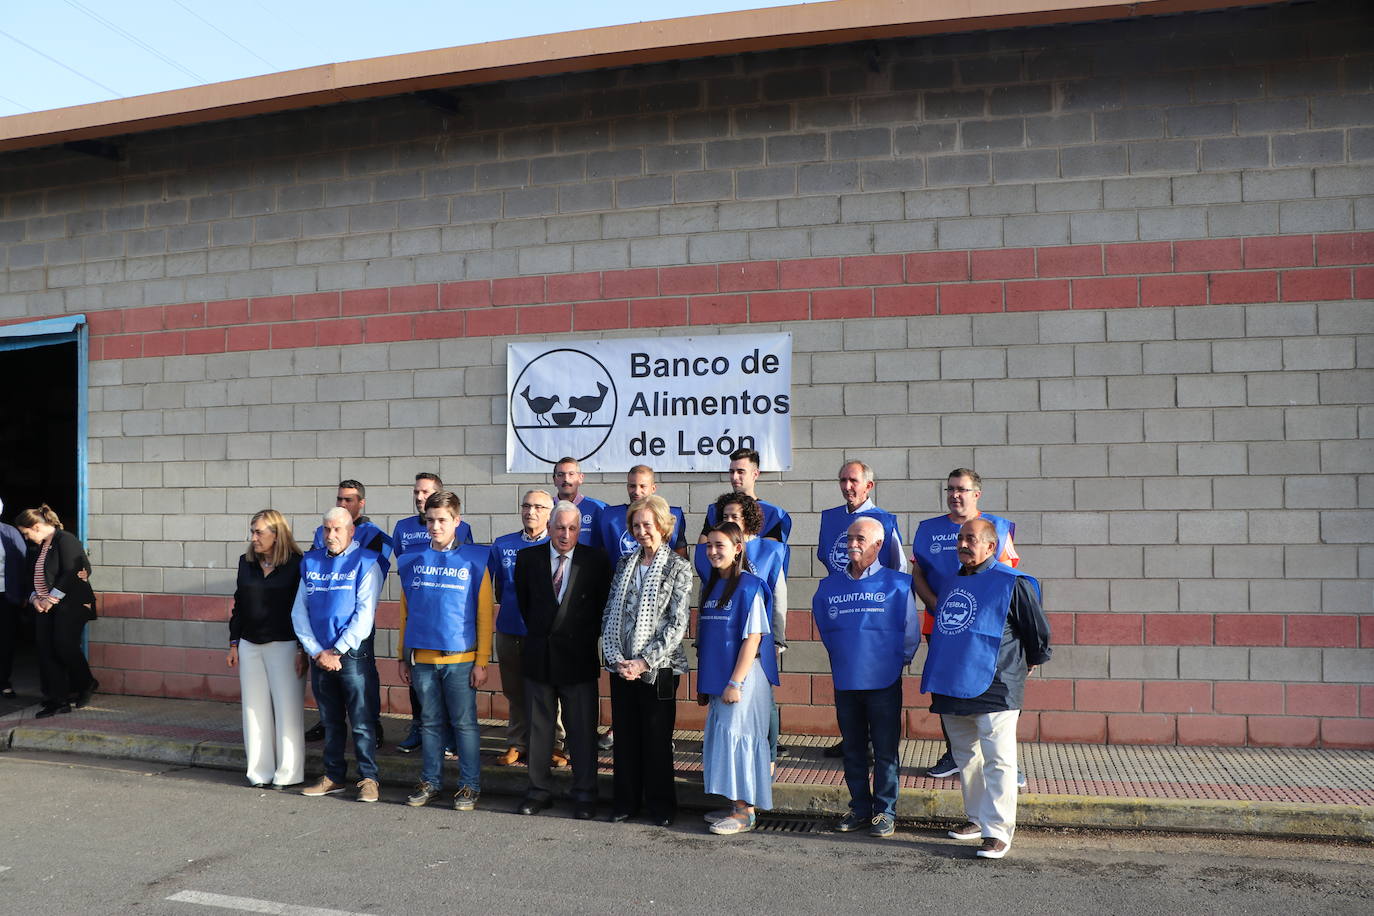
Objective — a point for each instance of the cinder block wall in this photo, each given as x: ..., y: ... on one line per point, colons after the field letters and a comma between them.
x: 1123, y: 269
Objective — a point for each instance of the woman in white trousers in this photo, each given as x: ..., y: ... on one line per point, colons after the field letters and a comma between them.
x: 262, y: 645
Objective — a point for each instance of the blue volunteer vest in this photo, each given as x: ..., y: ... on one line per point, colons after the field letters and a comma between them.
x: 441, y: 588
x: 720, y: 631
x: 411, y: 534
x: 935, y: 547
x: 613, y: 536
x: 363, y: 535
x: 773, y: 517
x: 970, y: 617
x: 831, y: 547
x: 331, y: 590
x: 591, y: 512
x: 509, y: 620
x: 767, y: 557
x: 863, y: 625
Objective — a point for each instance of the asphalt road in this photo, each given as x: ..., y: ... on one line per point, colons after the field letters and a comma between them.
x: 92, y: 836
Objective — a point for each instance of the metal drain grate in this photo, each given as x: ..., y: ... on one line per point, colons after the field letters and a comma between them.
x: 789, y: 825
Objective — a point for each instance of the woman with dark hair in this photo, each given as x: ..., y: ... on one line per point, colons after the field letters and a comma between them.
x: 65, y: 603
x: 765, y: 558
x: 641, y: 641
x: 262, y: 645
x: 735, y: 665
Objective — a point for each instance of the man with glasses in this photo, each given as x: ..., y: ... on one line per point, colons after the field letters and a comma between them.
x: 935, y: 563
x: 535, y: 507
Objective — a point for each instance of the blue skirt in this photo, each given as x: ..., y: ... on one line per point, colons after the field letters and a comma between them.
x: 735, y: 753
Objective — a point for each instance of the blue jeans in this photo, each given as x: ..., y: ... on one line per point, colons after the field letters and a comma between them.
x: 448, y: 702
x: 871, y: 716
x: 345, y: 700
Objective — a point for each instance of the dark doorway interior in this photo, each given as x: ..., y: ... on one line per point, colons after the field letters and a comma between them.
x: 38, y: 463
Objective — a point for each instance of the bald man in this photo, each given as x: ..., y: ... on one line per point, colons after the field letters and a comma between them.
x: 867, y: 618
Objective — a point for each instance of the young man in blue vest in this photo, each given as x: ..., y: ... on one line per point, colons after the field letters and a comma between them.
x: 612, y: 533
x: 411, y: 534
x: 567, y: 482
x: 935, y: 562
x: 535, y: 507
x: 832, y: 546
x: 744, y: 476
x: 447, y: 610
x: 868, y: 621
x: 352, y: 497
x: 990, y: 633
x: 334, y: 616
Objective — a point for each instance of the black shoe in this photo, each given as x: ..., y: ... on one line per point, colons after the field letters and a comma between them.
x: 584, y: 811
x: 83, y: 699
x: 835, y: 750
x: 665, y: 821
x: 7, y: 693
x: 315, y: 732
x: 620, y: 817
x: 784, y: 751
x: 534, y: 805
x: 52, y: 710
x: 944, y: 768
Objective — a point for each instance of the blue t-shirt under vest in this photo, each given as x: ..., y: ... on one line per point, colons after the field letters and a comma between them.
x: 776, y: 522
x: 935, y: 547
x: 365, y: 536
x: 411, y: 534
x: 863, y: 625
x: 509, y: 620
x: 720, y: 631
x: 970, y: 617
x: 832, y: 546
x: 614, y: 537
x: 331, y: 590
x: 767, y: 557
x: 441, y: 589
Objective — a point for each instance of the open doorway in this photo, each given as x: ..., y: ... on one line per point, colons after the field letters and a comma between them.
x: 41, y: 458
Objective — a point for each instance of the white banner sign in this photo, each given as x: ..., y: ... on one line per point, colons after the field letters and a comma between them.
x: 673, y: 403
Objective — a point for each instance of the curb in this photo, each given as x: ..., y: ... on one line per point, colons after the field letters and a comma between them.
x: 1274, y: 819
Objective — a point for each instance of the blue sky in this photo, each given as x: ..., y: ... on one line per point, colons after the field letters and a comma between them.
x: 56, y: 53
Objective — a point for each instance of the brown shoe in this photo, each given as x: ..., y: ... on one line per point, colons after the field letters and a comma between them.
x: 510, y: 758
x: 367, y: 790
x: 966, y: 831
x: 559, y: 760
x: 325, y: 786
x: 992, y: 848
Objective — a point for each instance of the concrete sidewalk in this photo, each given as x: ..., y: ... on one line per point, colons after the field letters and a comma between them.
x: 1264, y: 791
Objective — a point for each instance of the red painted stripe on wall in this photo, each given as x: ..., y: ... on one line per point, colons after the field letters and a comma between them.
x: 1290, y: 268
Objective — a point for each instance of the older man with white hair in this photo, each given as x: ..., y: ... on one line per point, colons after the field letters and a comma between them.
x: 336, y: 606
x: 562, y: 588
x: 868, y: 620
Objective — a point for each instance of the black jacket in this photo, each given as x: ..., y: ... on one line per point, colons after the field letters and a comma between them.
x: 66, y: 558
x: 563, y: 643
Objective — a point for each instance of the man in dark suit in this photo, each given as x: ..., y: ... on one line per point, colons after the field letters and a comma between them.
x: 562, y: 587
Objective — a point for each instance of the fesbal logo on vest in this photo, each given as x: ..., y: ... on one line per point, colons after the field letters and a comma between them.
x: 676, y: 403
x: 839, y: 552
x: 957, y: 611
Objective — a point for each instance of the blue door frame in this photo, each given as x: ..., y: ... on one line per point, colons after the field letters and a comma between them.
x: 46, y: 333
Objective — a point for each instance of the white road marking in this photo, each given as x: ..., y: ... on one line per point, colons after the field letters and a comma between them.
x: 249, y: 905
x: 5, y: 867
